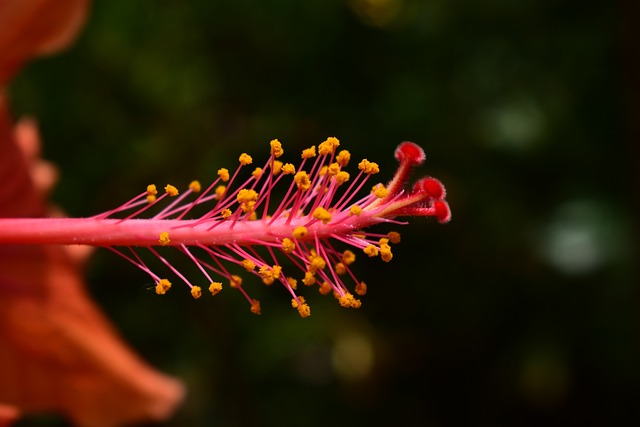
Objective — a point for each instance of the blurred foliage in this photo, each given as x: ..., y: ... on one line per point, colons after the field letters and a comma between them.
x: 522, y: 311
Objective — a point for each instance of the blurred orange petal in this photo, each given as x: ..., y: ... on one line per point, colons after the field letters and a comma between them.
x: 8, y: 414
x: 35, y: 27
x: 58, y: 353
x: 18, y: 197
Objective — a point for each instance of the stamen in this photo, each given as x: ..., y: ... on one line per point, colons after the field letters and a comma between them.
x: 223, y: 174
x: 196, y: 292
x: 164, y: 238
x: 276, y: 148
x: 171, y: 190
x: 242, y: 229
x: 215, y: 287
x: 328, y: 146
x: 309, y: 152
x: 245, y: 159
x: 163, y: 286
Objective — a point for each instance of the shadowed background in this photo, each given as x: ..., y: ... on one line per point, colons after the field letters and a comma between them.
x: 522, y: 311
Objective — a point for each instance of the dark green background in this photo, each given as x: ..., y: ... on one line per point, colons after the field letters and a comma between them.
x: 522, y: 311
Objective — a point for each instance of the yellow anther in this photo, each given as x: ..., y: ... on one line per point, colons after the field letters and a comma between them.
x: 277, y: 271
x: 309, y: 278
x: 361, y: 288
x: 164, y: 239
x: 385, y: 252
x: 257, y: 173
x: 276, y: 148
x: 248, y: 264
x: 355, y: 210
x: 288, y: 169
x: 269, y: 274
x: 287, y: 245
x: 265, y: 271
x: 344, y: 300
x: 235, y: 281
x: 308, y: 153
x: 340, y: 268
x: 371, y: 251
x: 394, y: 237
x: 316, y: 263
x: 195, y: 186
x: 245, y: 159
x: 348, y: 300
x: 248, y: 207
x: 333, y: 170
x: 152, y: 190
x: 383, y: 241
x: 276, y: 167
x: 225, y: 214
x: 299, y: 232
x: 292, y: 282
x: 220, y: 190
x: 304, y: 310
x: 379, y: 191
x: 215, y: 287
x: 368, y: 167
x: 255, y: 306
x: 343, y: 158
x: 301, y: 306
x: 268, y: 278
x: 245, y: 196
x: 171, y: 190
x: 325, y: 288
x: 328, y: 146
x: 223, y: 174
x: 342, y: 177
x: 323, y: 170
x: 151, y: 198
x: 302, y: 181
x: 253, y: 215
x: 162, y: 286
x: 322, y: 214
x: 348, y: 257
x: 196, y: 292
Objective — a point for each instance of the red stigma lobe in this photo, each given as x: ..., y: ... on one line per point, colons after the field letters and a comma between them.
x: 410, y: 153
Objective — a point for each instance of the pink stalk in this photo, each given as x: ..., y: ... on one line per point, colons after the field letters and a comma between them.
x: 146, y: 232
x: 315, y: 210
